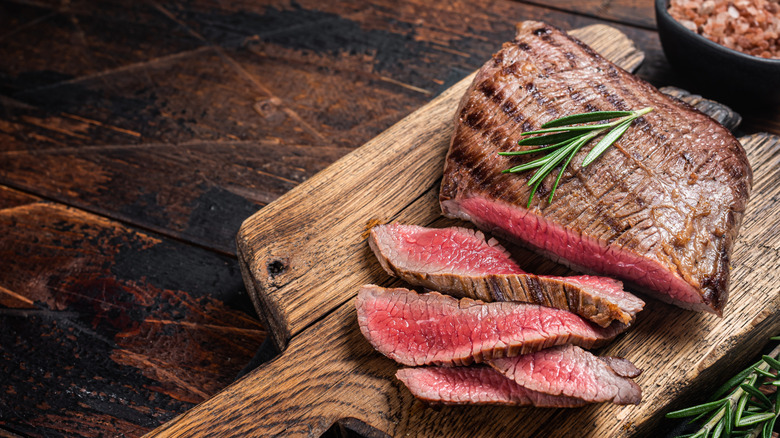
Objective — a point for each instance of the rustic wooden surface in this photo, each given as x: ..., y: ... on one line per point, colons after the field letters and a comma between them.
x: 303, y: 282
x: 135, y: 137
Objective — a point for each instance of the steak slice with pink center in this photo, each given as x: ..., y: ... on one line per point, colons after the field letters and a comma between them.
x: 475, y: 385
x: 573, y: 372
x: 422, y: 329
x: 661, y: 208
x: 460, y: 262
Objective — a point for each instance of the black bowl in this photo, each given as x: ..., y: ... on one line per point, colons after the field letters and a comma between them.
x: 720, y: 72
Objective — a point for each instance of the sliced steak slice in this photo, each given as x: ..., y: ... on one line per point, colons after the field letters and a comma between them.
x: 573, y: 372
x: 475, y: 385
x: 422, y: 329
x: 660, y: 209
x: 460, y: 262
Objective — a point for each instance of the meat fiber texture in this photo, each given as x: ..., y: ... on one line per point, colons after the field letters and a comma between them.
x: 573, y: 372
x: 660, y: 209
x: 477, y: 385
x: 460, y: 262
x: 563, y: 376
x: 421, y: 329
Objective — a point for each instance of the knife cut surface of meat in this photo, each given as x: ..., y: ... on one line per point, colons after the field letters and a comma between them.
x: 563, y: 376
x: 422, y: 329
x: 475, y: 385
x: 660, y: 209
x: 573, y: 372
x: 460, y: 262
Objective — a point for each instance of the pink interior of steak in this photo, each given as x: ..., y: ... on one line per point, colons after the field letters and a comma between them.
x: 475, y: 385
x: 458, y: 251
x: 570, y: 371
x: 576, y: 249
x: 462, y: 251
x: 419, y: 329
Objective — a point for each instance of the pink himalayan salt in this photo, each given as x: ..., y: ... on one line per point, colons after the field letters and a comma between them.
x: 749, y: 26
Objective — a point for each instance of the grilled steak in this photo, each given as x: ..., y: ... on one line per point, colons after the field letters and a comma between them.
x: 460, y: 262
x: 475, y: 385
x: 660, y: 209
x: 573, y: 372
x: 421, y: 329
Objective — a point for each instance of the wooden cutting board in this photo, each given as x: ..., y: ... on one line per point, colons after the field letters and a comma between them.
x: 304, y: 256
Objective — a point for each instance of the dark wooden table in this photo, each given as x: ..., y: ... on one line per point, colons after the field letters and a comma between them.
x: 135, y: 137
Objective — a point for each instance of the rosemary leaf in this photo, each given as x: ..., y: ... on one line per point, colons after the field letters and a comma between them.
x: 718, y: 431
x: 555, y: 159
x: 765, y: 373
x: 584, y: 128
x: 548, y: 139
x: 734, y: 381
x: 533, y: 190
x: 728, y: 419
x: 696, y: 410
x: 558, y: 179
x: 774, y: 363
x: 752, y: 390
x: 606, y: 142
x: 741, y: 407
x: 594, y: 116
x: 754, y: 419
x: 768, y: 426
x: 539, y: 162
x: 546, y: 148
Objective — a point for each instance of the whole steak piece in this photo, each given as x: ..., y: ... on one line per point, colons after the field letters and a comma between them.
x: 422, y: 329
x: 460, y: 262
x: 660, y: 209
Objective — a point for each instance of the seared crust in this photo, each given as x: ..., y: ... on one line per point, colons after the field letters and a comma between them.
x: 667, y: 199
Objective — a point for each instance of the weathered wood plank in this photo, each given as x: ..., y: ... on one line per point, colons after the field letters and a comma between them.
x: 314, y: 384
x: 636, y: 12
x: 42, y: 44
x: 108, y: 330
x: 290, y: 246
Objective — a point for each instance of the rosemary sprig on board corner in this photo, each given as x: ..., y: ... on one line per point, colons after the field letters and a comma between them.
x: 751, y: 407
x: 565, y: 137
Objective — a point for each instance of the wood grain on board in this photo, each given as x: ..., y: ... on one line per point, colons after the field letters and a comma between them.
x: 303, y: 262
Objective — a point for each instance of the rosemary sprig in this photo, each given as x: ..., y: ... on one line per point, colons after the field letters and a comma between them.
x: 747, y: 410
x: 565, y: 138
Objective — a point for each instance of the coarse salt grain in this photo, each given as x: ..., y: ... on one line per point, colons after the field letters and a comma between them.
x: 750, y: 26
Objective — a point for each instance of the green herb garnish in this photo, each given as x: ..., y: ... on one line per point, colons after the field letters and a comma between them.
x: 565, y: 138
x: 747, y: 410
